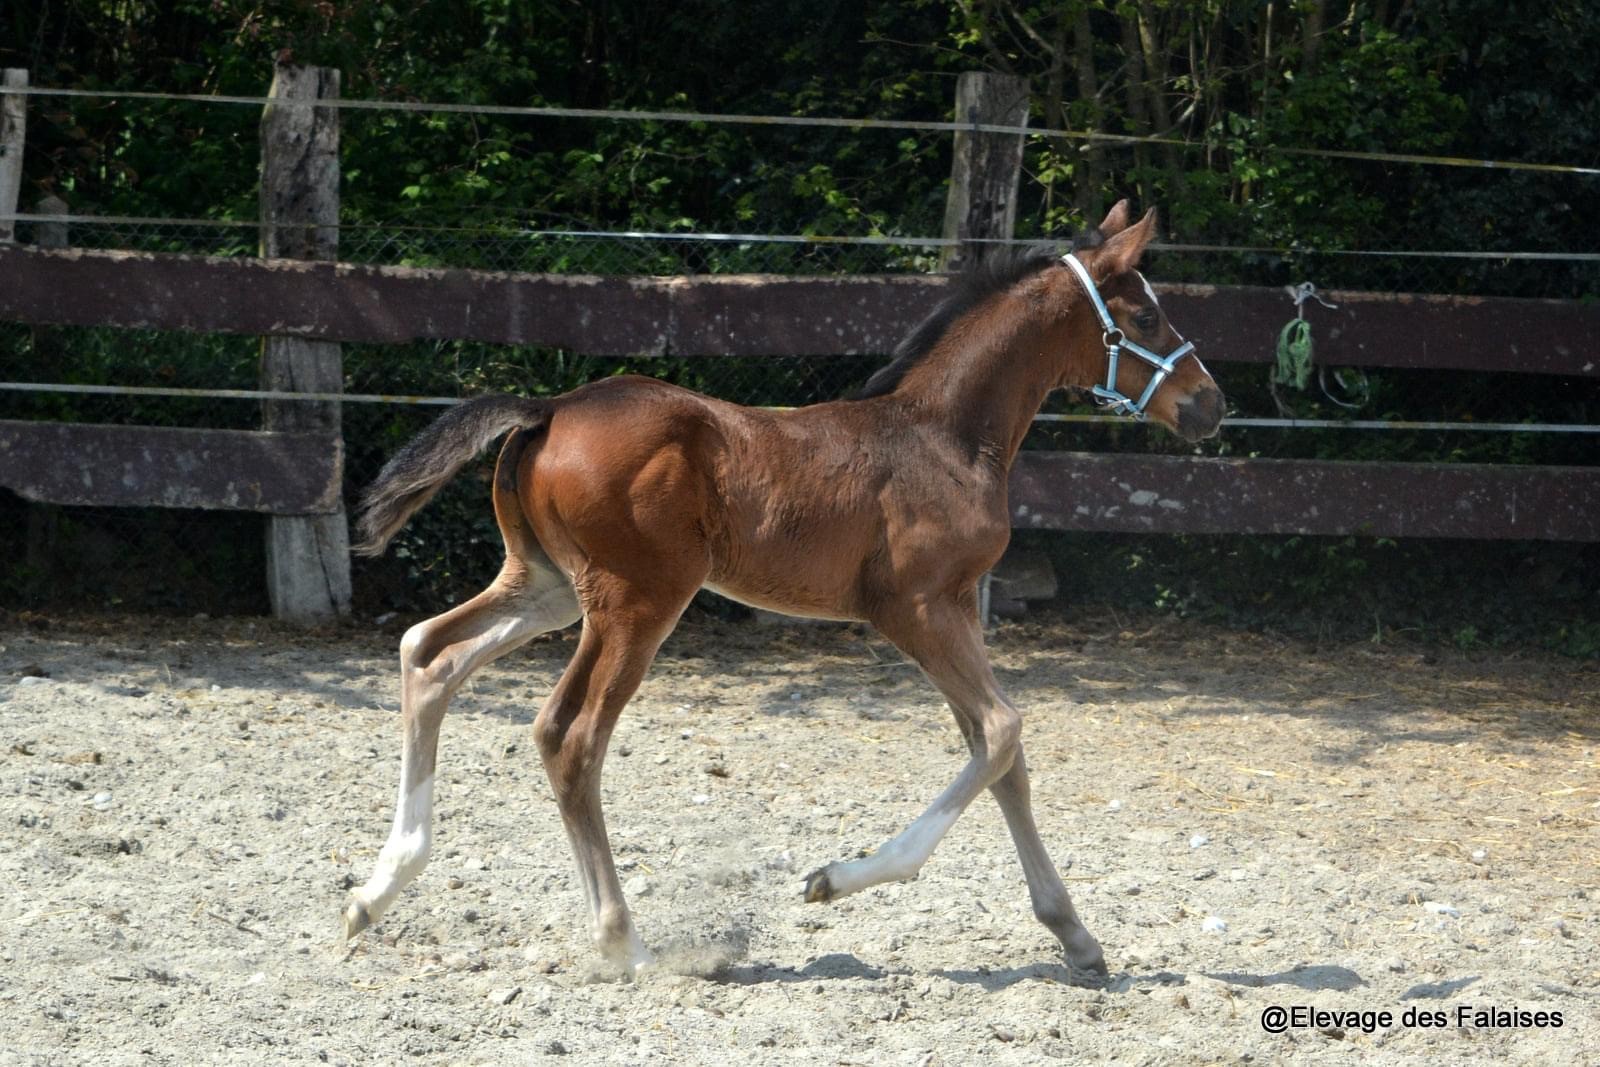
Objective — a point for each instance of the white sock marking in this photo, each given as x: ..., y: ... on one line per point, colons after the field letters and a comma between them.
x: 405, y: 854
x: 900, y: 858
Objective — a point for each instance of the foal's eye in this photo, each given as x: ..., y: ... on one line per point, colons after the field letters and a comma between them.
x: 1147, y: 320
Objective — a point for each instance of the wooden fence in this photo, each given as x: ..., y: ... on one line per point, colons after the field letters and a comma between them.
x: 293, y: 471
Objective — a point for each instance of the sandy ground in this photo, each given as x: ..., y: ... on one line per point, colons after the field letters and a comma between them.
x: 1246, y: 824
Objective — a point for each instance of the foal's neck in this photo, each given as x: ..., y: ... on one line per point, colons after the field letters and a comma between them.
x: 990, y: 374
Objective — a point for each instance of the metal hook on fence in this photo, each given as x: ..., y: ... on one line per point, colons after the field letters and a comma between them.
x: 1358, y: 387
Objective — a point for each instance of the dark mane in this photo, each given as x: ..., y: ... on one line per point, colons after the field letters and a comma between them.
x: 994, y: 273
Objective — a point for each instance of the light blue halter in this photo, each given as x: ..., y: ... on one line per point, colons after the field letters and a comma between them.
x: 1116, y: 341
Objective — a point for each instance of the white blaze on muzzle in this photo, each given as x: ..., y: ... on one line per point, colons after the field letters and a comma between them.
x: 1116, y: 342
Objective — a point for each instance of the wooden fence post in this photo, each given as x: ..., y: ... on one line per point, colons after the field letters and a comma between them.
x: 984, y: 175
x: 44, y: 519
x: 53, y: 235
x: 13, y: 127
x: 308, y: 556
x: 987, y: 167
x: 50, y: 234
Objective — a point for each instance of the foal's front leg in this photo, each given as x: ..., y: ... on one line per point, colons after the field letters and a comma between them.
x: 947, y: 644
x: 1052, y: 905
x: 949, y: 648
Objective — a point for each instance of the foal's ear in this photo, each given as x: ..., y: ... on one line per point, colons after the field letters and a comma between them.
x: 1116, y: 219
x: 1122, y: 252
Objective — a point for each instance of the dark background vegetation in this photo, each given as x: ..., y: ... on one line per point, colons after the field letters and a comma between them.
x: 1224, y: 83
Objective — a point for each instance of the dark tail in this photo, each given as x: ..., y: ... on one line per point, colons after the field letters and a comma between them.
x: 420, y: 469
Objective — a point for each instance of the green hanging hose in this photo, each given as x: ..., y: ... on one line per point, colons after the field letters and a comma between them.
x: 1294, y: 355
x: 1295, y: 363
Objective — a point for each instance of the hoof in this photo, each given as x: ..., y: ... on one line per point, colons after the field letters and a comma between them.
x: 356, y: 918
x: 1095, y: 968
x: 1083, y: 952
x: 1092, y: 968
x: 818, y: 889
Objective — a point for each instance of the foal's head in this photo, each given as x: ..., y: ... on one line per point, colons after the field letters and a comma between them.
x: 1185, y: 400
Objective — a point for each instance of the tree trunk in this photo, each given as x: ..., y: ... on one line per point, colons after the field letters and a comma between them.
x: 13, y: 132
x: 1088, y: 194
x: 1133, y: 53
x: 987, y: 167
x: 1311, y: 37
x: 1157, y: 66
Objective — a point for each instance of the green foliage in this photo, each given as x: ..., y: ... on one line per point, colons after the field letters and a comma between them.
x: 1376, y: 93
x: 1579, y: 639
x: 1237, y: 80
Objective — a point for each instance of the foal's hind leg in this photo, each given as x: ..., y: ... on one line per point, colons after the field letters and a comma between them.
x: 624, y: 624
x: 436, y: 657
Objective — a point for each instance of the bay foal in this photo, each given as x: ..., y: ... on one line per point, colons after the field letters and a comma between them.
x: 622, y: 498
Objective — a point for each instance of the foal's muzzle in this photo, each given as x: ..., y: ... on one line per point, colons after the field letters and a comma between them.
x: 1200, y: 415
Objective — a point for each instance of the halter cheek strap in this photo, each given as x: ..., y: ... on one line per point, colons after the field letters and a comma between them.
x: 1116, y: 341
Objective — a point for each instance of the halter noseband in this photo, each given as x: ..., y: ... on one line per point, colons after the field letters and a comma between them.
x: 1115, y: 341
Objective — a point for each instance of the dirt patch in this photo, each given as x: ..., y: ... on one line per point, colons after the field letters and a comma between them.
x: 1246, y: 823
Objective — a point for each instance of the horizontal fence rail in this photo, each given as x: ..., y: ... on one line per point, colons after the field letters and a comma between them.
x: 813, y: 121
x: 154, y: 466
x: 1200, y: 495
x: 745, y: 315
x: 300, y: 474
